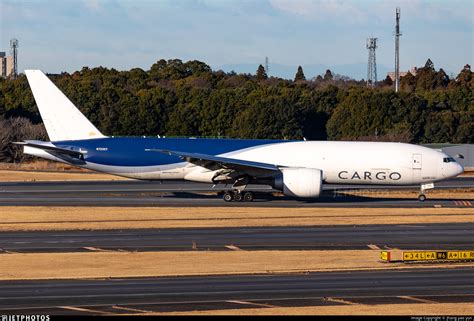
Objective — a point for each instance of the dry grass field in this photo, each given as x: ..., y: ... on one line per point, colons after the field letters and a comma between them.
x: 41, y: 165
x: 415, y: 309
x: 106, y: 264
x: 94, y: 218
x: 33, y: 176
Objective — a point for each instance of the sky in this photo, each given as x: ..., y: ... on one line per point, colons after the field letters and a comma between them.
x: 65, y: 35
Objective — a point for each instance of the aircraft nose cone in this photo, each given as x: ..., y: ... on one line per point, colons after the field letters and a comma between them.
x: 459, y: 169
x: 452, y: 170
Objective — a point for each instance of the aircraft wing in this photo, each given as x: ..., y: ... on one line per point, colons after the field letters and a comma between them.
x: 217, y: 162
x: 57, y: 151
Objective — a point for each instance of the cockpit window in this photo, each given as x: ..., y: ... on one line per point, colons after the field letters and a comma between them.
x: 448, y: 160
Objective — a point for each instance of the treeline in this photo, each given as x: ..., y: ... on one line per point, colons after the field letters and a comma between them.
x: 176, y: 98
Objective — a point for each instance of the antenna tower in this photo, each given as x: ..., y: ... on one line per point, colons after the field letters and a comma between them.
x: 372, y: 65
x: 397, y: 50
x: 14, y: 51
x: 266, y: 65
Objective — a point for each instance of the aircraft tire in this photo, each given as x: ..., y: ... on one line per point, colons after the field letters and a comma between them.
x: 422, y: 197
x: 238, y: 197
x: 228, y: 197
x: 248, y: 197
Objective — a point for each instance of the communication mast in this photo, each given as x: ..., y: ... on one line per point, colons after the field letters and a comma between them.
x: 266, y: 65
x: 397, y: 50
x: 14, y: 51
x: 372, y: 65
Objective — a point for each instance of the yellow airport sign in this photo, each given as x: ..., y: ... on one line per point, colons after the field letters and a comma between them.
x: 437, y: 255
x: 419, y: 256
x: 425, y: 256
x: 385, y: 255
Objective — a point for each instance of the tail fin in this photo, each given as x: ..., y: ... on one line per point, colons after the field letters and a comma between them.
x: 63, y: 121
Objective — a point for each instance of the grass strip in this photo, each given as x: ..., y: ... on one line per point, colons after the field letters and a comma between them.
x: 97, y: 218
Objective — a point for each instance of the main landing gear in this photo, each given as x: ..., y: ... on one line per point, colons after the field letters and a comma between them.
x: 238, y: 196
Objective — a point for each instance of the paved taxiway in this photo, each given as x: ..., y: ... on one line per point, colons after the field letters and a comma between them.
x: 239, y: 291
x: 413, y: 236
x: 182, y: 194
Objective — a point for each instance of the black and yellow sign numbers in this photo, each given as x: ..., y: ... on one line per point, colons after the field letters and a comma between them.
x: 437, y: 255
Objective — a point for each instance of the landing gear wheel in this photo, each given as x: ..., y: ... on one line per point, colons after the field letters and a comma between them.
x: 238, y: 197
x: 228, y: 197
x: 248, y: 196
x: 422, y: 197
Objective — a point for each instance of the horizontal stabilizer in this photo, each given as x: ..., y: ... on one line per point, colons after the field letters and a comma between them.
x: 51, y: 148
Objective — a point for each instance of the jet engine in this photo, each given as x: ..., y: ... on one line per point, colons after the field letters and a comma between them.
x: 299, y: 182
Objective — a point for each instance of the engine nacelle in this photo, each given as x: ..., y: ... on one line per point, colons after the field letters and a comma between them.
x: 300, y: 182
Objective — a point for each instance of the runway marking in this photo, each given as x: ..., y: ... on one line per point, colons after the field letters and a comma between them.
x: 463, y: 203
x: 340, y: 301
x: 252, y: 303
x: 10, y: 252
x: 416, y: 299
x: 83, y: 309
x: 217, y: 301
x: 131, y: 309
x: 96, y: 249
x: 437, y: 205
x: 233, y: 247
x: 373, y: 247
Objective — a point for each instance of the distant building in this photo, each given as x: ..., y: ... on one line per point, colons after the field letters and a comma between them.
x: 3, y: 65
x: 6, y: 65
x: 412, y: 71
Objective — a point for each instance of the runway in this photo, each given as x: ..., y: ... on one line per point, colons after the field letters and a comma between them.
x: 233, y: 292
x: 188, y: 194
x: 139, y: 295
x: 413, y: 236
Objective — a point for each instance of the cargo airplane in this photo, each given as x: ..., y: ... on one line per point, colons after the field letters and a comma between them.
x: 296, y: 168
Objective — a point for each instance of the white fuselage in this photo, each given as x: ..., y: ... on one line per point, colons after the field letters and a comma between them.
x: 368, y: 163
x: 352, y: 162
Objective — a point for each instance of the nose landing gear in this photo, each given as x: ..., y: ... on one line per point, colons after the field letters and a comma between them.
x: 238, y: 196
x: 422, y: 197
x: 423, y: 188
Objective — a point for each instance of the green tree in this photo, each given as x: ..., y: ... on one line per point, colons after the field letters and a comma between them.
x: 328, y: 75
x: 387, y: 81
x: 189, y: 99
x: 261, y: 73
x: 429, y: 65
x: 408, y: 82
x: 465, y: 78
x: 300, y: 75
